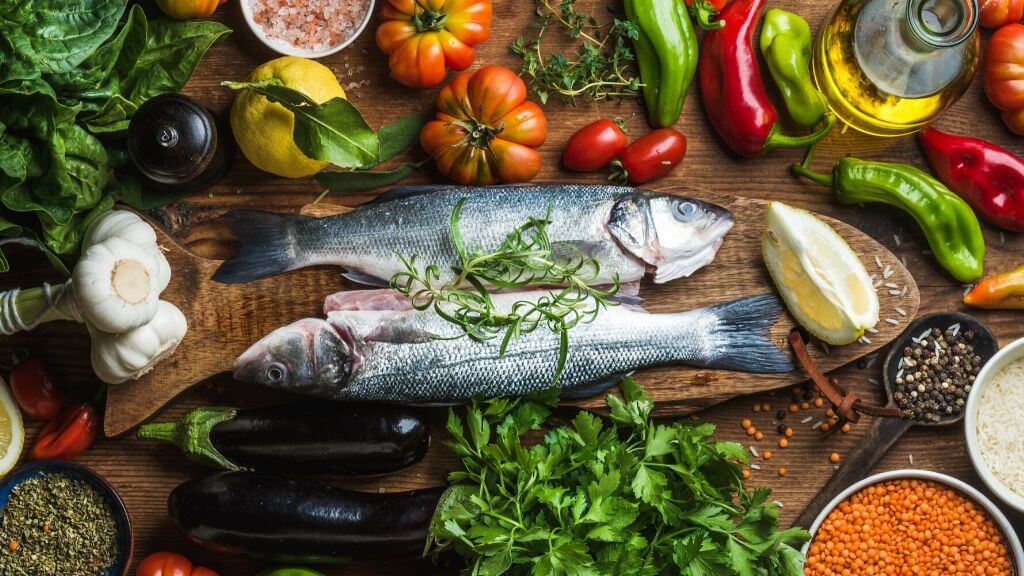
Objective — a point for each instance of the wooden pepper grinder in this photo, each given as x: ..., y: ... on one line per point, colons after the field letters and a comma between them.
x: 174, y: 143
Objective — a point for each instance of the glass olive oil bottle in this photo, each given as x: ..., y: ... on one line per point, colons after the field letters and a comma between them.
x: 888, y: 67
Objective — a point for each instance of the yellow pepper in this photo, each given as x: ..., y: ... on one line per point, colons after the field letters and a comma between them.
x: 187, y: 9
x: 1003, y: 291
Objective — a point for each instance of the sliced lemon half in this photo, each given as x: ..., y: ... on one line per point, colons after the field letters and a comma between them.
x: 12, y: 431
x: 823, y: 283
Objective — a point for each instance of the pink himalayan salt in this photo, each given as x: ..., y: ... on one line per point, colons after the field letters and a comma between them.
x: 310, y: 24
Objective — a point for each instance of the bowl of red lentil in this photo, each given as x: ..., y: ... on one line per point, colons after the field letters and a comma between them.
x: 912, y: 522
x: 307, y: 28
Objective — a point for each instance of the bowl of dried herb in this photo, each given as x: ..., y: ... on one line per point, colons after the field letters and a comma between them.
x: 62, y: 518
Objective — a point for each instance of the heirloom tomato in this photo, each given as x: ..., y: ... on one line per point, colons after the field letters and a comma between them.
x: 486, y: 130
x: 1003, y: 74
x: 423, y: 38
x: 998, y: 13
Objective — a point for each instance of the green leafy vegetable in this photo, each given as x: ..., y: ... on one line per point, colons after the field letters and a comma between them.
x: 526, y: 258
x: 591, y: 499
x: 600, y: 68
x: 333, y: 131
x: 70, y: 71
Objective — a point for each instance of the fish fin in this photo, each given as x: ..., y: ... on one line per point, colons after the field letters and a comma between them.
x: 265, y: 246
x: 405, y: 192
x: 363, y: 278
x: 741, y: 336
x: 629, y: 294
x: 593, y: 388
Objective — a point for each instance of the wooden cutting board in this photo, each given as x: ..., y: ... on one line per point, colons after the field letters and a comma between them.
x: 225, y: 319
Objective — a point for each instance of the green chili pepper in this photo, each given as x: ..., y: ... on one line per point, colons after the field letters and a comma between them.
x: 666, y: 53
x: 289, y: 572
x: 786, y: 45
x: 948, y: 223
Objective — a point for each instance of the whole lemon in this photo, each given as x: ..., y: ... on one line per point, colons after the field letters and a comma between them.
x: 263, y: 128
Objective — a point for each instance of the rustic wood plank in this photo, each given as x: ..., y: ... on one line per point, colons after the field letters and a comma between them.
x: 145, y: 473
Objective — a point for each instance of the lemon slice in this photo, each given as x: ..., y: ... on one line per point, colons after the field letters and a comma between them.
x: 823, y: 283
x: 12, y: 432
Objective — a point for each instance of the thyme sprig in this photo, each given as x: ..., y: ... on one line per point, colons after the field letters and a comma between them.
x: 525, y: 259
x: 601, y: 66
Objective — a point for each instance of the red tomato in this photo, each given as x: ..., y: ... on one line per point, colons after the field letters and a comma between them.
x: 653, y: 156
x: 594, y: 146
x: 998, y: 13
x: 423, y: 38
x: 1002, y: 74
x: 170, y: 564
x: 486, y: 131
x: 35, y: 391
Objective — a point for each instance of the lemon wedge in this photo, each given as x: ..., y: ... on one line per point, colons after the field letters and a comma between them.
x: 823, y: 283
x: 12, y: 432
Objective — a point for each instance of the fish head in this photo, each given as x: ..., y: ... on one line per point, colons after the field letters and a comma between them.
x: 674, y: 234
x: 309, y: 356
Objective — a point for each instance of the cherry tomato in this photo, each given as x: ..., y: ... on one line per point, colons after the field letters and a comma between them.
x: 652, y: 156
x: 35, y: 391
x: 594, y: 146
x: 998, y: 13
x: 1002, y: 74
x: 170, y: 564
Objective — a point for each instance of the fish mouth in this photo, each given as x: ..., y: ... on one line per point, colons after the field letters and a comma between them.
x: 686, y: 263
x: 242, y: 369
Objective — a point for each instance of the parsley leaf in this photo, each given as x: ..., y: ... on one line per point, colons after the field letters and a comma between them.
x: 633, y: 498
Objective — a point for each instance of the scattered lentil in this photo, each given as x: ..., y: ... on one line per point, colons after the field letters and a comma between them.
x: 746, y: 474
x: 746, y: 423
x: 751, y: 431
x: 845, y: 428
x: 833, y: 457
x: 783, y: 472
x: 783, y: 442
x: 788, y: 433
x: 767, y: 454
x: 908, y: 527
x: 758, y: 436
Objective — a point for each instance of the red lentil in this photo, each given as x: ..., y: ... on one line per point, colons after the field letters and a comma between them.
x: 834, y: 458
x: 746, y: 423
x: 783, y: 471
x: 908, y: 527
x: 758, y: 436
x: 783, y: 442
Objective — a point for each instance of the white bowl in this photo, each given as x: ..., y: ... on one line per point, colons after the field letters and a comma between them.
x: 1009, y: 535
x: 282, y: 47
x: 1005, y: 357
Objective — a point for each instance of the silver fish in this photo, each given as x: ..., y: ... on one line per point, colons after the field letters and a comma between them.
x: 375, y: 347
x: 626, y: 230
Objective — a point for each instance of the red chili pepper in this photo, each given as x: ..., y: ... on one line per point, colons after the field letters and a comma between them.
x: 34, y: 389
x: 733, y: 92
x: 988, y: 177
x: 68, y: 435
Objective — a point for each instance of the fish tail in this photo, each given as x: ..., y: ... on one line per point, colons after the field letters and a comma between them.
x: 266, y: 246
x: 742, y: 334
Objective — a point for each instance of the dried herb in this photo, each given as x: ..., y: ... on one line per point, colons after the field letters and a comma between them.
x: 56, y: 524
x: 601, y: 67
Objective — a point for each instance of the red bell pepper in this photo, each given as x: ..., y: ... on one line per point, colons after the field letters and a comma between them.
x: 35, y: 390
x: 988, y: 177
x: 68, y: 435
x: 733, y: 91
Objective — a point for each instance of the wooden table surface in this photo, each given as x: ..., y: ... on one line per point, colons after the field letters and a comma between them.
x: 144, y: 473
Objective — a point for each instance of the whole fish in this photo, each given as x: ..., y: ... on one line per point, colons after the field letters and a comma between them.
x: 626, y: 230
x: 374, y: 347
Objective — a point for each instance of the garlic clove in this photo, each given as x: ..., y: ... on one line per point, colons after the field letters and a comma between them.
x: 121, y: 224
x: 131, y: 354
x: 117, y: 285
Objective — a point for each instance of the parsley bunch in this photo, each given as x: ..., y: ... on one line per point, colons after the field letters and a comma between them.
x: 632, y: 498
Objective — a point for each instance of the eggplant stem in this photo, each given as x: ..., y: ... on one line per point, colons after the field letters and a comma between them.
x: 192, y: 435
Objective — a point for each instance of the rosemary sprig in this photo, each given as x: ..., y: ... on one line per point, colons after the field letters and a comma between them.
x: 526, y: 258
x: 601, y: 66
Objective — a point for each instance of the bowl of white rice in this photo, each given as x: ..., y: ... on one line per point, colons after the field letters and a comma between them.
x: 992, y: 416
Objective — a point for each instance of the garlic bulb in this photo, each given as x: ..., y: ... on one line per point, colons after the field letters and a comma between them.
x: 116, y: 358
x: 117, y: 285
x: 129, y: 226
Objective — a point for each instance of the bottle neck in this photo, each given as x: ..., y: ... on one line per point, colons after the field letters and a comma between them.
x: 941, y: 23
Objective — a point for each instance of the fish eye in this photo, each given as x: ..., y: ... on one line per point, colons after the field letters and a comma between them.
x: 275, y: 373
x: 685, y: 210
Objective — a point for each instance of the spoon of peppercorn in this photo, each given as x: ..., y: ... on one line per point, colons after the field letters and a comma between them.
x: 929, y: 388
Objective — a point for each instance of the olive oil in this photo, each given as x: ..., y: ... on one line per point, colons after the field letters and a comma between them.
x: 888, y: 67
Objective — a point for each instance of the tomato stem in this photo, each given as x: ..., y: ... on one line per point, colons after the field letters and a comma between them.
x: 478, y: 133
x: 429, y: 20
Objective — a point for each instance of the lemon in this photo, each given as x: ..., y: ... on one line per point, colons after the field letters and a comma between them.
x: 263, y: 129
x: 823, y: 283
x: 12, y: 432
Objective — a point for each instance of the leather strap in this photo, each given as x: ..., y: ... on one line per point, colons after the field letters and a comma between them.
x: 847, y: 405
